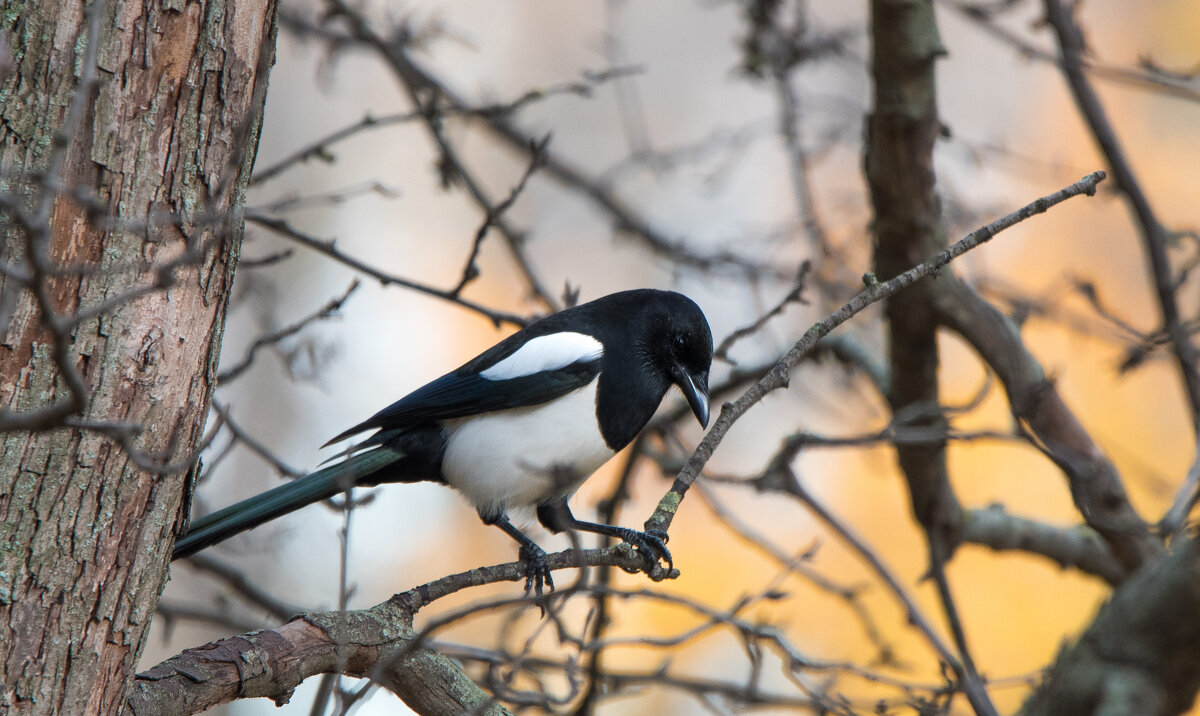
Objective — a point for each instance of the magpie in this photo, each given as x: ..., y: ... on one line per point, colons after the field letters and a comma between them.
x: 520, y: 426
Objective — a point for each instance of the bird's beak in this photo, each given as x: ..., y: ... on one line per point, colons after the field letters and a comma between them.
x: 695, y: 389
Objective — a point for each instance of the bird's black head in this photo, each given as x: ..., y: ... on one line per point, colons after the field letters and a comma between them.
x: 652, y: 340
x: 678, y: 344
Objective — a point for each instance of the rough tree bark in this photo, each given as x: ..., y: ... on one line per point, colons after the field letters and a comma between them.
x: 154, y: 174
x: 1141, y: 654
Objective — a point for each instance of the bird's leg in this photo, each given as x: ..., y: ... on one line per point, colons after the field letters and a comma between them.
x: 556, y: 516
x: 537, y: 569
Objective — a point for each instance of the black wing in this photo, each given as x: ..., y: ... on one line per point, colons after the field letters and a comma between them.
x: 459, y: 394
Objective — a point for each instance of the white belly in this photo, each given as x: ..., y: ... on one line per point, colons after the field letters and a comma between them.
x: 518, y: 458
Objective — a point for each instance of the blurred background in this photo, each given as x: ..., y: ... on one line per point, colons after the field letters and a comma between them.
x: 659, y: 106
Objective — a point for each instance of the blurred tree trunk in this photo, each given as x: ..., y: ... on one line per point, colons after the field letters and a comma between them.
x: 1141, y: 654
x: 153, y: 173
x: 901, y: 131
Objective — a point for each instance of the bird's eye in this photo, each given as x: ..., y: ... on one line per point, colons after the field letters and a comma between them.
x: 680, y: 343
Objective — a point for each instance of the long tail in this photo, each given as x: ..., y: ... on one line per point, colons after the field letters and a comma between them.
x: 254, y: 511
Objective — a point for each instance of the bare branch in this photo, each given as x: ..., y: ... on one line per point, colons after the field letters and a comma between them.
x: 425, y: 94
x: 1154, y: 235
x: 1155, y: 81
x: 272, y: 662
x: 327, y: 311
x: 794, y: 487
x: 470, y: 271
x: 417, y: 79
x: 329, y: 249
x: 1175, y: 519
x: 37, y: 233
x: 778, y: 376
x: 795, y: 295
x: 170, y: 613
x: 1049, y: 422
x: 797, y: 564
x: 1070, y: 547
x: 377, y: 642
x: 255, y: 446
x: 320, y: 149
x: 243, y: 586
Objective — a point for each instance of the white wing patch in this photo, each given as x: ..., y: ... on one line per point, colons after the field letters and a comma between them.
x: 550, y: 352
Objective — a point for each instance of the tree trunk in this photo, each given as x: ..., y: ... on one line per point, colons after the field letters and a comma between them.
x: 901, y: 131
x: 151, y: 175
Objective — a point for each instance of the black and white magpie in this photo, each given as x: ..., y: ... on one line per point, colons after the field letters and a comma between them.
x: 520, y: 426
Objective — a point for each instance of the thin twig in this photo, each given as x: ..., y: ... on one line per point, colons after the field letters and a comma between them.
x: 915, y: 616
x: 171, y: 612
x: 1175, y: 519
x: 320, y: 149
x: 425, y: 94
x: 37, y: 231
x: 795, y: 295
x: 797, y: 564
x: 1154, y: 235
x: 609, y: 510
x: 778, y: 376
x: 470, y: 270
x: 1160, y: 82
x: 256, y: 446
x: 625, y: 219
x: 328, y: 248
x: 327, y: 311
x: 973, y: 684
x: 242, y: 586
x: 789, y: 127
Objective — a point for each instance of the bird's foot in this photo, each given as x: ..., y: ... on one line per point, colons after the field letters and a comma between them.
x: 537, y: 569
x: 652, y: 544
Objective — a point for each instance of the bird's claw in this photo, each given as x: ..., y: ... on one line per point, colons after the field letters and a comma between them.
x: 537, y: 569
x: 653, y: 545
